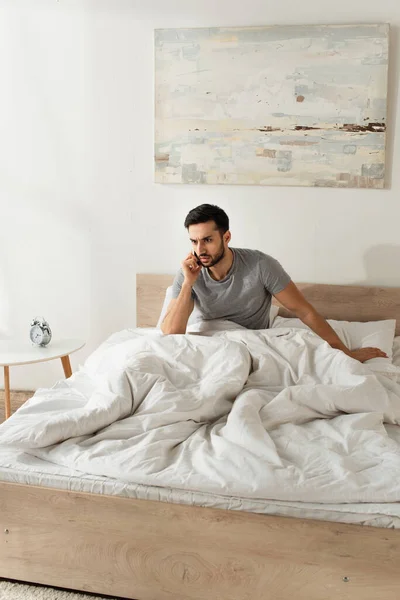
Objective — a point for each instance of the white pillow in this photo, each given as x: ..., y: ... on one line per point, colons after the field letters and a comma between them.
x: 377, y: 334
x: 195, y: 315
x: 396, y: 351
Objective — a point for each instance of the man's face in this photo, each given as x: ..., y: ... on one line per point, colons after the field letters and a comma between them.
x: 208, y: 243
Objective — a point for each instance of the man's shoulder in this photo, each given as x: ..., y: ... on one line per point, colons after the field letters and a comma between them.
x: 250, y: 254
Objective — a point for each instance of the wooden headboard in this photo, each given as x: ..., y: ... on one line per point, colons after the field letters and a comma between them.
x: 340, y: 302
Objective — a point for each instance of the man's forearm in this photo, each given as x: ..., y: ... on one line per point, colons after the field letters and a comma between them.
x: 324, y: 330
x: 176, y: 319
x: 293, y: 300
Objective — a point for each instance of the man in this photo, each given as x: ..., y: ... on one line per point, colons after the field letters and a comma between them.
x: 237, y: 284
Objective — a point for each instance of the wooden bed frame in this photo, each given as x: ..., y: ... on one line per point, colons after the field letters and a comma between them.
x: 148, y: 550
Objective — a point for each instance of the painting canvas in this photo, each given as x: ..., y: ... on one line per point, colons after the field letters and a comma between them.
x: 279, y: 105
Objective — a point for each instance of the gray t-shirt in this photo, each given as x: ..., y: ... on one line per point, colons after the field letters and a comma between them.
x: 244, y: 295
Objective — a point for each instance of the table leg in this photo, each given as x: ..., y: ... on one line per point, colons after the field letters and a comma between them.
x: 7, y: 403
x: 66, y: 366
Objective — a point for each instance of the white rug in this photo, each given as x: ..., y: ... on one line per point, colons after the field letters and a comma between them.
x: 19, y: 591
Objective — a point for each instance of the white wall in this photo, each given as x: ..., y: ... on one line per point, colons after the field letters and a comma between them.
x: 80, y: 214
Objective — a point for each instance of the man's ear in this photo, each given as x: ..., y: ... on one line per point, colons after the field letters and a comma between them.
x: 227, y: 236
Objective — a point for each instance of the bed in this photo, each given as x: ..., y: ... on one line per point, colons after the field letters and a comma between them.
x: 146, y: 549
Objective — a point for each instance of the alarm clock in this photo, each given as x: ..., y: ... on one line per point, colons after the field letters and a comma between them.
x: 40, y: 333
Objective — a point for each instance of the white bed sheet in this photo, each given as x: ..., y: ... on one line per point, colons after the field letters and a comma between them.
x: 19, y: 467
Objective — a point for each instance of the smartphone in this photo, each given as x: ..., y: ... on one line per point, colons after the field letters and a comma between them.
x: 197, y: 258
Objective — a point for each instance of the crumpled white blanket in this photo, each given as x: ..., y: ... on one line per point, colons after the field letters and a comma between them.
x: 274, y: 414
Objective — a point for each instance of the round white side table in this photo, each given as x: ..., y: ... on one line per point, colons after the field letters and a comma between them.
x: 13, y: 352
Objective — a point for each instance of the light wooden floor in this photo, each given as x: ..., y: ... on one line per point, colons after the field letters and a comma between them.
x: 17, y: 399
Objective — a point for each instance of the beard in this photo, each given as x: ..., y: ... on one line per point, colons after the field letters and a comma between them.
x: 216, y: 258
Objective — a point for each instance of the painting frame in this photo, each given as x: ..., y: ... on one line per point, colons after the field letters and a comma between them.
x: 296, y: 105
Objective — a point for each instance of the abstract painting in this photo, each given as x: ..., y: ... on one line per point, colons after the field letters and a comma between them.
x: 279, y: 105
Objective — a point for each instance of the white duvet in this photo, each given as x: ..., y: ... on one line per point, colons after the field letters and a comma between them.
x: 275, y: 414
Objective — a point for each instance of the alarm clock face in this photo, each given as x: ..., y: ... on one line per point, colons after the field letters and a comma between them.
x: 36, y: 335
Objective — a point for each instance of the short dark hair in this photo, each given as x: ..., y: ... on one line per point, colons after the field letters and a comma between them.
x: 208, y: 212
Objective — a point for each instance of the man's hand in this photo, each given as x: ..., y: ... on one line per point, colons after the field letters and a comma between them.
x: 191, y: 269
x: 363, y: 354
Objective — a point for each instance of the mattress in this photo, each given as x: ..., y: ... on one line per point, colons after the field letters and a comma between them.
x: 25, y: 469
x: 22, y: 468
